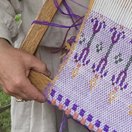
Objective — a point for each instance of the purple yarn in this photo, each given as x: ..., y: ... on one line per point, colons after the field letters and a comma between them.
x: 64, y: 120
x: 58, y: 8
x: 70, y: 13
x: 68, y: 10
x: 71, y: 40
x: 63, y: 124
x: 55, y: 25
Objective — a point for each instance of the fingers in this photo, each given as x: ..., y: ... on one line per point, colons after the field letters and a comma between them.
x: 15, y: 94
x: 39, y: 66
x: 25, y: 91
x: 14, y: 71
x: 32, y: 93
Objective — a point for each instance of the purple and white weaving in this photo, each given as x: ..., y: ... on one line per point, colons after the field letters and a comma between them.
x: 93, y: 83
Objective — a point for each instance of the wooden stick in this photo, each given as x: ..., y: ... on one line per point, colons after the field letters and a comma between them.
x: 4, y: 108
x: 33, y: 39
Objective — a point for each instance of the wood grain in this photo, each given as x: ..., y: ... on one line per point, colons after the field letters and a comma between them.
x: 39, y: 80
x: 34, y: 37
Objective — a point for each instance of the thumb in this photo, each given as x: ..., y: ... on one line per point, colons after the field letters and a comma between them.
x: 39, y: 66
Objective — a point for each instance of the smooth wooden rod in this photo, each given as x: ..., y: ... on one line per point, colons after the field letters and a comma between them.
x: 33, y: 39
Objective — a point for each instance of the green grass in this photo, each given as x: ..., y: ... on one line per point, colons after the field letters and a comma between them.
x: 5, y: 119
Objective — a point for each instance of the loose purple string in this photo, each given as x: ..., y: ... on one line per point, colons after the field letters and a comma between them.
x: 58, y: 25
x: 66, y: 36
x: 63, y: 124
x: 57, y: 6
x: 69, y: 11
x: 54, y: 24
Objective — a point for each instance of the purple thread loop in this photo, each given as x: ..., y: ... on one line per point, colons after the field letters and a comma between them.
x: 58, y: 8
x: 69, y: 11
x: 113, y: 37
x: 95, y: 29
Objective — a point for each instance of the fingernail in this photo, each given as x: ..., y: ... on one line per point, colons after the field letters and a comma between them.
x: 48, y: 73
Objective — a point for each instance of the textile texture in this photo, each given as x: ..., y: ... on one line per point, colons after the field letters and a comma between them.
x: 93, y: 83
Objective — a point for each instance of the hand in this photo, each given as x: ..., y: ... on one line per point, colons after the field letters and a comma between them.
x: 15, y: 66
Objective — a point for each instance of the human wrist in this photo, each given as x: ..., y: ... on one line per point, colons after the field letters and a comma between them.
x: 3, y: 41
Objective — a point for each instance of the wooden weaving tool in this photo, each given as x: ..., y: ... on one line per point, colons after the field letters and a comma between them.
x: 33, y: 39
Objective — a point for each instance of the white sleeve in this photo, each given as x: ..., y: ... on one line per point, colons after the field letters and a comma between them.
x: 8, y: 26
